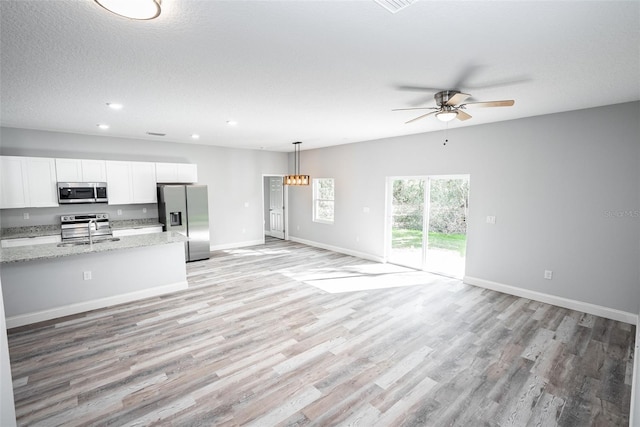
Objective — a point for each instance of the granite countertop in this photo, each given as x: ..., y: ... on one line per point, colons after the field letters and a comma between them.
x: 52, y: 250
x: 53, y: 230
x: 30, y: 231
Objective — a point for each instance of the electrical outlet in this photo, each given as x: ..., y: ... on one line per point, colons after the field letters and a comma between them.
x: 548, y: 274
x: 25, y: 215
x: 144, y: 210
x: 86, y: 275
x: 119, y: 212
x: 491, y: 219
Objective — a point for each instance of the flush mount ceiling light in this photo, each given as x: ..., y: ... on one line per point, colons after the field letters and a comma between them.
x: 296, y: 179
x: 103, y: 126
x: 195, y: 136
x: 231, y: 123
x: 114, y: 106
x: 132, y: 9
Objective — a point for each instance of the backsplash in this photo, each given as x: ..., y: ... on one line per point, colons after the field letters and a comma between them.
x: 51, y: 216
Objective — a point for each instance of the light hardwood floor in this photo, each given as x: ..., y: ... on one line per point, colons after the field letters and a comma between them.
x: 253, y: 342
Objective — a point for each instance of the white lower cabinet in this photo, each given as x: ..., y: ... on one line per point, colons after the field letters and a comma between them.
x: 131, y: 182
x: 27, y: 182
x: 27, y: 241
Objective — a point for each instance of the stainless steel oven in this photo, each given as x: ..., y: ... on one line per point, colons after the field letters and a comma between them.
x: 82, y: 192
x: 79, y: 226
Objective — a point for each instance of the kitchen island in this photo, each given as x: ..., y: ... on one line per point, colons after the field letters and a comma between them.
x: 43, y: 282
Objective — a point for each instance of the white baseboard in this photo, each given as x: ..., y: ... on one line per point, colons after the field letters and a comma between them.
x: 236, y: 245
x: 585, y: 307
x: 363, y: 255
x: 67, y: 310
x: 634, y: 413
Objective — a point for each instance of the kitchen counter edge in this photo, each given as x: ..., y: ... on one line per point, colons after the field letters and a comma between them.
x: 52, y: 250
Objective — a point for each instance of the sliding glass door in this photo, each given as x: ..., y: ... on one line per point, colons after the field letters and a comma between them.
x: 427, y: 223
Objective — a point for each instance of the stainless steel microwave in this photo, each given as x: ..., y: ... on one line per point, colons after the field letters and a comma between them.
x: 82, y: 192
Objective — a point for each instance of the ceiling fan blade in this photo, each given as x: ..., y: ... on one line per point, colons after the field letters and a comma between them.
x: 416, y: 108
x: 505, y: 103
x: 420, y: 117
x: 462, y: 116
x: 457, y: 98
x: 418, y: 88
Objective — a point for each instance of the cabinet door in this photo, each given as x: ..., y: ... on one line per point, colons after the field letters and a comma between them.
x: 166, y: 172
x: 68, y: 170
x: 143, y: 182
x: 118, y: 183
x: 94, y: 171
x: 12, y: 175
x: 41, y: 180
x: 187, y: 173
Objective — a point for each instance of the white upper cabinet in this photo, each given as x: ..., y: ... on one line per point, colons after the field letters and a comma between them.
x: 81, y: 170
x: 131, y: 182
x: 27, y: 182
x: 143, y: 178
x: 184, y: 173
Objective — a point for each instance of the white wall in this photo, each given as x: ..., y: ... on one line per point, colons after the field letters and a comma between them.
x: 234, y: 176
x: 559, y: 185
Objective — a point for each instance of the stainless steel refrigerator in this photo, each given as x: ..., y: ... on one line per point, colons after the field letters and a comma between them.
x: 185, y: 209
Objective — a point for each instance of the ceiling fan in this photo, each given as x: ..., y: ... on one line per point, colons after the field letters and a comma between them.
x: 450, y: 106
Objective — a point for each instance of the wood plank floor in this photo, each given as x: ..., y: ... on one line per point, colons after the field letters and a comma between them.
x: 252, y: 342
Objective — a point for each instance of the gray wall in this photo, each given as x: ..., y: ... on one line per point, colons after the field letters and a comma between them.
x: 564, y: 188
x: 234, y: 176
x: 7, y: 410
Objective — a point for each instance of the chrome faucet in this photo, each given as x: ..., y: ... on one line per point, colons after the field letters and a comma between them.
x: 89, y: 229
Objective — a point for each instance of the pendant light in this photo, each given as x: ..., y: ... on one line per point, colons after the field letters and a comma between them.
x: 133, y: 9
x: 296, y: 179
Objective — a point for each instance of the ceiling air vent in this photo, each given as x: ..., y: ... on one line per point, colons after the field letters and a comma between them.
x: 156, y: 134
x: 394, y: 6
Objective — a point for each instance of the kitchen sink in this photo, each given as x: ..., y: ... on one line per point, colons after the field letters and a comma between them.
x: 70, y: 244
x: 86, y: 242
x: 110, y: 239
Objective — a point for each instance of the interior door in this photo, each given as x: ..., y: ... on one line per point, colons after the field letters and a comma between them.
x: 276, y: 207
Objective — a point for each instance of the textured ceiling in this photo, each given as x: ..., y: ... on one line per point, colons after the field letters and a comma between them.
x: 321, y: 72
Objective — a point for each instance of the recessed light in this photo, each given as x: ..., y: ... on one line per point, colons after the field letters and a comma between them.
x: 114, y: 106
x: 231, y: 122
x: 103, y: 126
x: 195, y: 136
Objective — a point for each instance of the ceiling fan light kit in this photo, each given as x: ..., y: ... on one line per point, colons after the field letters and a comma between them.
x: 133, y: 9
x: 450, y: 106
x: 446, y: 116
x: 296, y: 178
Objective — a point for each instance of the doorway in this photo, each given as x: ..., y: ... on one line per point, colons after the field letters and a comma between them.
x: 426, y: 226
x: 274, y: 216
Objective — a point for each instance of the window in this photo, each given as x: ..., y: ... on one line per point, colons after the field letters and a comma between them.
x: 323, y: 200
